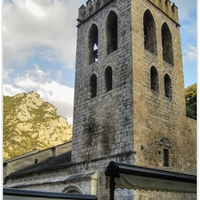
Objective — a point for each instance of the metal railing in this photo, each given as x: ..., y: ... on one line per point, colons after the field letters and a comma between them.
x: 18, y: 194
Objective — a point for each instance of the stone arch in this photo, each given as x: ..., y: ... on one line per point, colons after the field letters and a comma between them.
x: 168, y: 86
x: 154, y: 79
x: 112, y: 32
x: 92, y: 44
x: 150, y: 41
x: 167, y: 46
x: 72, y: 189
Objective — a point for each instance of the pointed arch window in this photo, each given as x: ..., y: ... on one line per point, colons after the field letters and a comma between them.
x: 112, y: 32
x: 93, y: 44
x: 167, y: 46
x: 154, y: 79
x: 108, y: 78
x: 150, y: 42
x: 168, y: 86
x: 93, y: 86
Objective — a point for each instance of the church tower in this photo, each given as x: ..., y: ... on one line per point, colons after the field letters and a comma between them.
x: 129, y: 91
x: 103, y: 111
x: 130, y: 127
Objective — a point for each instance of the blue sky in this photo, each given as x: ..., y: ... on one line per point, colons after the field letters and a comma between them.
x: 39, y: 44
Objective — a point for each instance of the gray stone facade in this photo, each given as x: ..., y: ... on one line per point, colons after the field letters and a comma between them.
x: 103, y: 124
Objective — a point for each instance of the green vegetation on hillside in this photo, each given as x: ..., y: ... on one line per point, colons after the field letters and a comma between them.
x: 191, y: 100
x: 29, y: 122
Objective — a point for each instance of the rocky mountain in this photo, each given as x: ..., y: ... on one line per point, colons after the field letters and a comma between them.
x: 29, y: 123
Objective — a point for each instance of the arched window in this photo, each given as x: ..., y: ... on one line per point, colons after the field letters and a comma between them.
x: 168, y: 86
x: 93, y: 44
x: 93, y: 86
x: 150, y: 42
x: 154, y: 79
x: 112, y: 35
x: 72, y: 189
x: 167, y: 46
x: 108, y: 78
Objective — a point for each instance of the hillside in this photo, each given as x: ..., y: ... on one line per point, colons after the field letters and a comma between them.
x: 29, y: 122
x: 191, y: 100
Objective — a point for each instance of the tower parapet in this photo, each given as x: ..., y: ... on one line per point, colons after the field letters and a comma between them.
x: 168, y: 8
x: 91, y: 7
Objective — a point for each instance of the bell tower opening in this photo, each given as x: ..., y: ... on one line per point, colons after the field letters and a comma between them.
x: 167, y: 46
x: 112, y: 32
x: 150, y: 42
x: 93, y: 44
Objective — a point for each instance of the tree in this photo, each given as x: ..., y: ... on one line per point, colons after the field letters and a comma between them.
x: 191, y: 100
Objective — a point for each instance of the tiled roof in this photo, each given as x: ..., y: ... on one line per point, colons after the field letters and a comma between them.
x: 49, y: 164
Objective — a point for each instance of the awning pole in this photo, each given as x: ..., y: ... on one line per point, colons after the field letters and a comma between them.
x: 112, y: 172
x: 112, y: 186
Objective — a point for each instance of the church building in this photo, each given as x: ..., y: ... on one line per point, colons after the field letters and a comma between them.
x: 129, y: 105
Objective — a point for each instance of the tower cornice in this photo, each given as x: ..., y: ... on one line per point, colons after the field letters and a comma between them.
x: 91, y: 7
x: 170, y: 9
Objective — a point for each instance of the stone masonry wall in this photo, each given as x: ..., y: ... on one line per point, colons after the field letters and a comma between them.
x: 103, y: 124
x: 160, y: 122
x: 131, y: 117
x: 144, y: 195
x: 54, y: 180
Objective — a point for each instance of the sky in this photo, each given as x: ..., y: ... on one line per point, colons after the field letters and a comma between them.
x: 39, y: 48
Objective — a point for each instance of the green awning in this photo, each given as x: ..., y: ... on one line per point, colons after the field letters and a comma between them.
x: 142, y: 178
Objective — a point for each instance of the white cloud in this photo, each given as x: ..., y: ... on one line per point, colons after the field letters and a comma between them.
x: 9, y: 90
x: 32, y: 79
x: 39, y: 73
x: 24, y: 32
x: 6, y: 74
x: 58, y: 92
x: 190, y: 54
x: 35, y: 9
x: 26, y: 82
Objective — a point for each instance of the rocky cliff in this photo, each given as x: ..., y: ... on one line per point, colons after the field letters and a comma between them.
x: 29, y: 122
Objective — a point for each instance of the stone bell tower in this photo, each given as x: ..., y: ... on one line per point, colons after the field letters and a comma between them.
x: 129, y: 91
x: 103, y: 114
